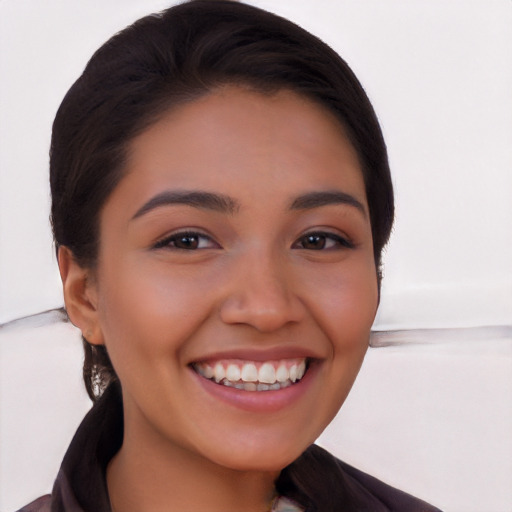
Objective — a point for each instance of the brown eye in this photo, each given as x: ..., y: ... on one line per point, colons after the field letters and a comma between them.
x: 315, y: 242
x: 186, y: 241
x: 319, y: 241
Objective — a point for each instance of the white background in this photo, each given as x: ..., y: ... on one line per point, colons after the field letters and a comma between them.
x: 439, y: 74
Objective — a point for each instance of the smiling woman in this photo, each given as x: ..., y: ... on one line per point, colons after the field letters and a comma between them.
x: 263, y: 285
x: 221, y: 198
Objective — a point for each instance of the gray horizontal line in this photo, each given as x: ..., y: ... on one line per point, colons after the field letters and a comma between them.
x: 48, y: 317
x: 378, y: 339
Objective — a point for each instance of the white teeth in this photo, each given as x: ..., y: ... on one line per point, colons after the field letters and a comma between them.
x: 267, y: 374
x: 301, y: 370
x: 218, y: 372
x: 233, y: 373
x: 207, y: 371
x: 282, y: 374
x: 249, y: 373
x: 270, y: 376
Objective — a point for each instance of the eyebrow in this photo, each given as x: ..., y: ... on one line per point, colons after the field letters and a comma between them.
x: 197, y: 199
x: 318, y: 199
x: 225, y: 204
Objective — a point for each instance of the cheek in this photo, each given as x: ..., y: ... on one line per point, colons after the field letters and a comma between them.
x: 146, y: 312
x: 345, y: 303
x: 346, y: 311
x: 345, y: 307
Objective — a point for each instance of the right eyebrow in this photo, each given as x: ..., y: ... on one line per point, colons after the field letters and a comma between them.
x: 195, y: 198
x: 324, y: 198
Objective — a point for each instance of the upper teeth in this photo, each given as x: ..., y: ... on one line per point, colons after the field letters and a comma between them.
x: 260, y: 376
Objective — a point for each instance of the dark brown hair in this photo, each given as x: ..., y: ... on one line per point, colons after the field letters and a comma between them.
x: 174, y: 57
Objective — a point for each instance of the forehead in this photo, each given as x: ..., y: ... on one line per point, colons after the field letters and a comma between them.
x: 240, y: 141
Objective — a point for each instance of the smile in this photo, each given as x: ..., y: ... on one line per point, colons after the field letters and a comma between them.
x: 253, y: 375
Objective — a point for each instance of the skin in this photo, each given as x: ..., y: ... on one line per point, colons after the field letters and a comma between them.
x: 253, y: 284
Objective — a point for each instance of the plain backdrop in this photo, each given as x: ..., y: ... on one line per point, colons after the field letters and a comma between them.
x: 434, y: 418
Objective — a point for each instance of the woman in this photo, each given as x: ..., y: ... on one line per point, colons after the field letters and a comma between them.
x: 221, y: 198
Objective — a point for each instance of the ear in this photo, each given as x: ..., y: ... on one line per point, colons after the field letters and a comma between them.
x: 80, y: 296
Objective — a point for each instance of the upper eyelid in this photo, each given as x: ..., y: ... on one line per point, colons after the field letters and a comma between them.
x: 186, y: 231
x: 335, y: 233
x: 338, y: 236
x: 164, y: 240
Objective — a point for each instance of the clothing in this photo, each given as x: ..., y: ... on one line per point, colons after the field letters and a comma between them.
x: 81, y: 483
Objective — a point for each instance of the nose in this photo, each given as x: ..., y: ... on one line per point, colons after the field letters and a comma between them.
x: 262, y: 294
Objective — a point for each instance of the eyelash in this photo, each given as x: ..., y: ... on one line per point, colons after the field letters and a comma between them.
x: 340, y: 241
x: 169, y: 242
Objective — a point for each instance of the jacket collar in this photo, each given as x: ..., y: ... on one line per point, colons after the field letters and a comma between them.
x: 81, y: 483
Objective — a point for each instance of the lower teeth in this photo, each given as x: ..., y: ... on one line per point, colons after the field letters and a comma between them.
x: 253, y: 386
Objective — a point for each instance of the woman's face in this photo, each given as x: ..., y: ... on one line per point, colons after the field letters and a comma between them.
x: 237, y: 245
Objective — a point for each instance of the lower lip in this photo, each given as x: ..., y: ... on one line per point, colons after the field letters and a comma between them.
x: 259, y: 401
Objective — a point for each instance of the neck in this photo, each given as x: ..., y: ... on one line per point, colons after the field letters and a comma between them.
x: 150, y: 473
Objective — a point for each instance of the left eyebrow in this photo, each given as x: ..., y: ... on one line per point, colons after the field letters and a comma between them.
x: 317, y: 199
x: 194, y: 198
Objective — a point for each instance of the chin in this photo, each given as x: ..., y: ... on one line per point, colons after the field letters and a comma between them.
x: 271, y: 457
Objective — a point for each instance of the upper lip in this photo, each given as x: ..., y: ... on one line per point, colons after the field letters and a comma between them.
x: 260, y: 355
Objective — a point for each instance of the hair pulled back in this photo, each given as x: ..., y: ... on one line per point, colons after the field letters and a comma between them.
x: 173, y: 57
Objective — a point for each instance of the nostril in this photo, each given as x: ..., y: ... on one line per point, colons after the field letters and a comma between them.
x: 265, y: 313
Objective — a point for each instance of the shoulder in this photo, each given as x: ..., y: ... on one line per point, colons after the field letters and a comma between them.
x: 393, y: 498
x: 42, y: 504
x: 362, y: 490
